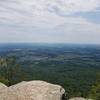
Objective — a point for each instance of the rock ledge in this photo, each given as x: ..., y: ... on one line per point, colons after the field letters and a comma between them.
x: 32, y: 90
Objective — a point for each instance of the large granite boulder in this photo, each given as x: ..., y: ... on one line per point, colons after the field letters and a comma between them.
x: 33, y: 90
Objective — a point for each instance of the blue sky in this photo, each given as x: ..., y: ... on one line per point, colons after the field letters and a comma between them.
x: 50, y: 21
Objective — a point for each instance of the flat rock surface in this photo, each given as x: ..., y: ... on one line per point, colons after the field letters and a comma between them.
x: 33, y: 90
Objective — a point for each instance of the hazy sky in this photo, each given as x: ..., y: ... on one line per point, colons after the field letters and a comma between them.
x: 68, y: 21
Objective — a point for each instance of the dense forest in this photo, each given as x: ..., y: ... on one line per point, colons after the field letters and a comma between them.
x: 75, y: 67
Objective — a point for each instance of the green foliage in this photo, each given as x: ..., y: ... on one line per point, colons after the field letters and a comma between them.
x: 10, y: 70
x: 4, y: 80
x: 95, y: 90
x: 75, y: 68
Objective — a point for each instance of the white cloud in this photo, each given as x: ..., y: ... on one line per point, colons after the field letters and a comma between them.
x: 43, y: 20
x: 41, y: 7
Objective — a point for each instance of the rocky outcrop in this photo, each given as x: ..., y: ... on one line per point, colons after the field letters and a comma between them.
x: 33, y: 90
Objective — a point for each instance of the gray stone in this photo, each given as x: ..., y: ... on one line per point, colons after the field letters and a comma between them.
x: 33, y: 90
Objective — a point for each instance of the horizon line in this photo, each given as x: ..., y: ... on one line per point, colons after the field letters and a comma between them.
x: 50, y: 43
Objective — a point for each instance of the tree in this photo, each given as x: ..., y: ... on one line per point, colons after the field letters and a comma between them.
x: 95, y: 90
x: 4, y: 80
x: 9, y: 68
